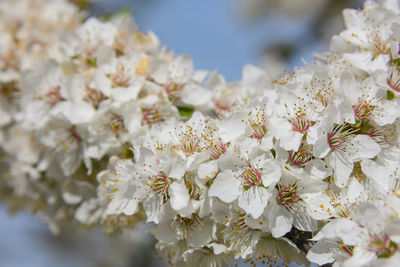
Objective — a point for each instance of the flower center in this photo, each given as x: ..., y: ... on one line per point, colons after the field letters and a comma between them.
x: 173, y: 89
x: 74, y: 135
x: 300, y: 124
x: 94, y: 97
x: 117, y: 124
x: 218, y: 150
x: 382, y: 246
x: 259, y: 131
x: 151, y: 116
x: 257, y: 122
x: 338, y: 137
x: 189, y: 142
x: 287, y: 195
x: 160, y: 184
x: 184, y: 226
x: 193, y: 189
x: 394, y: 79
x: 53, y: 96
x: 300, y: 158
x: 119, y: 78
x: 346, y: 249
x: 252, y: 177
x: 222, y: 104
x: 363, y: 111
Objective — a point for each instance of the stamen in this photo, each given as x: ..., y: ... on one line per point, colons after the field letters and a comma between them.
x: 346, y: 249
x: 252, y: 177
x: 151, y: 116
x: 184, y: 227
x: 382, y: 246
x: 338, y: 137
x: 119, y: 78
x: 394, y: 79
x: 117, y: 124
x: 300, y: 124
x: 94, y: 97
x: 300, y: 158
x: 287, y: 195
x: 53, y: 96
x: 173, y: 89
x: 218, y: 150
x: 257, y: 122
x: 160, y: 184
x: 363, y: 111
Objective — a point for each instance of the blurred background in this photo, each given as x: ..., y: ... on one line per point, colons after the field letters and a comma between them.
x: 276, y: 35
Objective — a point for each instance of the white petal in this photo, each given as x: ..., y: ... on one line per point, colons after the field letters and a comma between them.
x: 154, y: 208
x: 365, y: 61
x: 208, y: 170
x: 280, y: 221
x: 363, y: 147
x: 322, y: 252
x: 131, y: 207
x: 304, y: 222
x: 342, y: 166
x: 271, y: 172
x: 232, y: 128
x: 380, y: 174
x: 165, y: 233
x: 179, y: 195
x: 201, y: 234
x: 177, y: 169
x: 254, y: 200
x: 226, y: 187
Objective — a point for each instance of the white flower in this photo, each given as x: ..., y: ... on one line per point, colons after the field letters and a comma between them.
x: 120, y: 188
x: 196, y: 231
x: 346, y: 147
x: 158, y: 179
x: 251, y: 183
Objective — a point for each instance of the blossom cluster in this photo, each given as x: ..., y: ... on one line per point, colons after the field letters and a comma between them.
x: 100, y: 125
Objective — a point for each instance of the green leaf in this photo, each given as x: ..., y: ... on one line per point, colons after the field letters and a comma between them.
x: 185, y: 111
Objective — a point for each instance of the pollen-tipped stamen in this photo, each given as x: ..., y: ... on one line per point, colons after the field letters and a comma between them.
x: 394, y: 79
x: 151, y: 116
x: 94, y: 97
x: 287, y: 195
x: 159, y: 184
x: 301, y: 157
x: 173, y: 89
x: 53, y: 96
x: 363, y: 111
x: 382, y: 246
x: 338, y: 137
x: 300, y: 124
x: 218, y: 150
x: 252, y: 177
x: 117, y: 124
